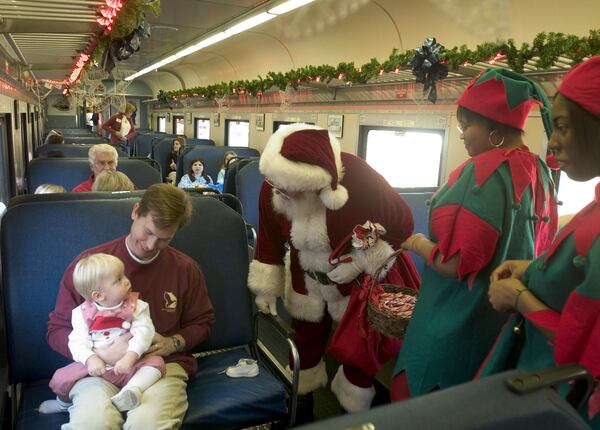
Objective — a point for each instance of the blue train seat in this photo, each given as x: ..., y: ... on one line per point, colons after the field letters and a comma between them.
x: 93, y: 139
x: 69, y: 172
x: 419, y: 206
x: 205, y: 142
x: 142, y: 143
x: 73, y: 150
x: 485, y: 404
x: 162, y: 148
x: 247, y: 184
x: 212, y: 156
x: 235, y: 165
x: 215, y: 401
x: 72, y: 131
x: 92, y: 195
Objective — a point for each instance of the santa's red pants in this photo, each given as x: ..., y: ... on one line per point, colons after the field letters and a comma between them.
x: 311, y: 340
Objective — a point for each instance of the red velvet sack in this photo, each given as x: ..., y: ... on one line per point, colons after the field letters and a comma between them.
x: 355, y: 342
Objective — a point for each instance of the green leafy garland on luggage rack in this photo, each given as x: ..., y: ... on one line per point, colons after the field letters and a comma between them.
x: 545, y: 50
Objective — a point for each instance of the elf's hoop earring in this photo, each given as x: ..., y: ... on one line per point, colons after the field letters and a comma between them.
x: 490, y: 140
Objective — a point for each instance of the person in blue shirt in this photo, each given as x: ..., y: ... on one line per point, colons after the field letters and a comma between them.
x: 227, y: 157
x: 195, y: 177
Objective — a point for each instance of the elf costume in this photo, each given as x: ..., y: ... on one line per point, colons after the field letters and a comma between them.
x: 498, y: 205
x: 566, y: 279
x: 314, y: 198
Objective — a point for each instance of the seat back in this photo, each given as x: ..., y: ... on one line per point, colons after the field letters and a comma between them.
x: 419, y: 206
x: 231, y: 172
x: 69, y: 172
x: 73, y: 150
x: 212, y: 156
x: 220, y: 248
x: 55, y: 197
x: 142, y: 143
x: 72, y: 131
x: 87, y: 140
x: 484, y: 404
x: 205, y: 142
x: 248, y: 182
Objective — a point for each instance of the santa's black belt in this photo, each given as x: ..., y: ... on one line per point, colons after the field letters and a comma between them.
x: 320, y: 277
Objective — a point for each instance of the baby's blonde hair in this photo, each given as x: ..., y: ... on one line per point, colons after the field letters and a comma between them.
x: 112, y: 181
x: 49, y: 189
x: 90, y: 271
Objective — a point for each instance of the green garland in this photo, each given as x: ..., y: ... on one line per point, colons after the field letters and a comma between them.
x: 546, y: 47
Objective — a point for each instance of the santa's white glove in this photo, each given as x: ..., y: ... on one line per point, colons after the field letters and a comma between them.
x: 267, y: 304
x: 344, y: 273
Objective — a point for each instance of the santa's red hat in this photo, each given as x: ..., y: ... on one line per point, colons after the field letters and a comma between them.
x: 105, y: 323
x: 303, y: 157
x: 582, y: 85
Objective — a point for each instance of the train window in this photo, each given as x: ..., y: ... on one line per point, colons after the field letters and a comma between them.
x: 238, y: 133
x: 202, y: 128
x: 161, y: 124
x: 407, y: 159
x: 178, y: 125
x: 574, y: 195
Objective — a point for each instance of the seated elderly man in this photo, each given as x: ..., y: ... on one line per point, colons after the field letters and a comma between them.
x: 102, y: 157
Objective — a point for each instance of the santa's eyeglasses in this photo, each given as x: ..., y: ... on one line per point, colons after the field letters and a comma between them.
x: 278, y: 190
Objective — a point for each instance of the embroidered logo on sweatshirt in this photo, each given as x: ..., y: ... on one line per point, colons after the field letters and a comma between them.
x: 170, y: 301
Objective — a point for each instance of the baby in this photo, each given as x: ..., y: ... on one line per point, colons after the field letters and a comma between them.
x: 110, y: 310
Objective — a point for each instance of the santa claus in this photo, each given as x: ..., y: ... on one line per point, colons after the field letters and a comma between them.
x: 313, y: 198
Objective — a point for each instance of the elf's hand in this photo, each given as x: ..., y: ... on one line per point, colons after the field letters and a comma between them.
x: 344, y: 273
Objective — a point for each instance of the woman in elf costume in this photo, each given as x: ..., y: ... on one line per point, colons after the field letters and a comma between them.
x: 499, y: 204
x: 556, y: 297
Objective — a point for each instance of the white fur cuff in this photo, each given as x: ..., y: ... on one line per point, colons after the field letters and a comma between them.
x: 265, y: 278
x: 311, y: 379
x: 373, y: 258
x: 351, y: 397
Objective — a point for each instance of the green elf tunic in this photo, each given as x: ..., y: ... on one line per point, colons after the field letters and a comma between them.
x: 498, y: 205
x: 567, y: 280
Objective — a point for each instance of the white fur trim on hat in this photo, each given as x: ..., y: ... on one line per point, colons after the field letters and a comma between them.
x: 265, y: 278
x: 299, y: 176
x: 352, y: 397
x: 334, y: 199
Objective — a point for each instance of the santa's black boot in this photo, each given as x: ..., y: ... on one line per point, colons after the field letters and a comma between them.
x: 305, y: 410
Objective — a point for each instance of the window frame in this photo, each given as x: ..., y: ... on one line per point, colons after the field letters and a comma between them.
x: 158, y: 118
x: 363, y: 134
x: 196, y: 120
x: 174, y: 123
x: 229, y: 121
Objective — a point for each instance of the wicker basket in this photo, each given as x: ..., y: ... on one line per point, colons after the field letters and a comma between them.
x: 387, y: 323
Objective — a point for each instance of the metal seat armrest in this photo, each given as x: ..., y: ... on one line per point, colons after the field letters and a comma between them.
x: 583, y: 382
x: 292, y: 381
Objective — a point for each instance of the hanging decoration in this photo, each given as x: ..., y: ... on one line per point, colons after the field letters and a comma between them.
x: 546, y: 50
x: 428, y: 68
x: 286, y: 97
x: 122, y: 27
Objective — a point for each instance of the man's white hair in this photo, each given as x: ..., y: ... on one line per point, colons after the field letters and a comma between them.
x: 102, y: 148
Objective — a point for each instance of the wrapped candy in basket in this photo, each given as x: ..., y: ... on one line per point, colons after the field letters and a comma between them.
x: 390, y: 306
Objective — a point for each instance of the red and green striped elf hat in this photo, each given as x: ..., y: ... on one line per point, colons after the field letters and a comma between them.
x: 506, y: 97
